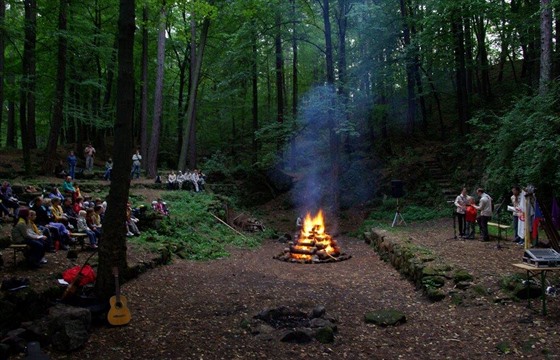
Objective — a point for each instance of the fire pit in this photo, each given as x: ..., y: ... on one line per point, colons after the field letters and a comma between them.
x: 313, y: 245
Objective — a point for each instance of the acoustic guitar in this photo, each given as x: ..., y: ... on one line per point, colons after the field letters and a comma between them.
x: 119, y: 313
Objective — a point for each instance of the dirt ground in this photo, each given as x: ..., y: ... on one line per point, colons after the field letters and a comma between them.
x: 195, y: 310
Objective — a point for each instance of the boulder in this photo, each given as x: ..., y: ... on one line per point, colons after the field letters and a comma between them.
x: 68, y: 327
x: 385, y: 317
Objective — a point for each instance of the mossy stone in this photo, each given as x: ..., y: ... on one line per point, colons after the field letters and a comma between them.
x: 325, y: 335
x: 462, y: 275
x: 435, y: 294
x: 385, y: 317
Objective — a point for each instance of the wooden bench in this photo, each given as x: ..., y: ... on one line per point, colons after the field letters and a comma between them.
x: 501, y: 227
x: 80, y: 237
x: 17, y: 248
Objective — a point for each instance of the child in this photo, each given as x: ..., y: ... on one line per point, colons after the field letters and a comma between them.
x: 470, y: 218
x: 83, y: 228
x: 131, y: 228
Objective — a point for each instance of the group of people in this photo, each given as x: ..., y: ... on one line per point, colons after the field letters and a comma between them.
x: 89, y: 154
x: 50, y: 221
x: 468, y: 213
x: 189, y: 180
x: 47, y: 224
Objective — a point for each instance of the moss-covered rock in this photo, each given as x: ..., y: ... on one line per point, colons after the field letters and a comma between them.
x: 385, y: 317
x: 324, y: 335
x: 434, y: 294
x: 462, y: 275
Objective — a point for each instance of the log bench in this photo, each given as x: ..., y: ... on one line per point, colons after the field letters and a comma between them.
x: 80, y: 237
x: 501, y: 227
x: 17, y: 248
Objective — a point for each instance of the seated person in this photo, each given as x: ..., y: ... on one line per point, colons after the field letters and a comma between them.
x: 68, y: 186
x: 201, y: 179
x: 90, y: 219
x: 83, y: 228
x: 160, y: 207
x: 68, y: 209
x: 171, y: 181
x: 108, y: 169
x: 98, y: 215
x: 23, y: 234
x: 55, y: 193
x: 78, y: 205
x: 42, y: 231
x: 8, y: 199
x: 77, y: 193
x: 43, y: 216
x: 131, y: 228
x: 57, y: 212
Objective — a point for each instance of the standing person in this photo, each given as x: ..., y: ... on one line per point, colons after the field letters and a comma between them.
x: 89, y: 153
x: 136, y: 158
x: 461, y: 204
x: 516, y: 204
x: 485, y: 208
x: 470, y: 218
x: 72, y: 161
x: 108, y: 169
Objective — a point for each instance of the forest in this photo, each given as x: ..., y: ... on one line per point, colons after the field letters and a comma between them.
x: 245, y: 83
x: 323, y: 101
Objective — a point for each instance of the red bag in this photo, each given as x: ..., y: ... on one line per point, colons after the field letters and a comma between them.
x: 88, y: 275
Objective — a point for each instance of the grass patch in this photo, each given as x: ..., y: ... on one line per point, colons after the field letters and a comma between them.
x: 191, y: 232
x: 384, y: 212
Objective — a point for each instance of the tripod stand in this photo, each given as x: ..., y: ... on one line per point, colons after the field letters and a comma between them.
x: 454, y: 216
x: 398, y: 219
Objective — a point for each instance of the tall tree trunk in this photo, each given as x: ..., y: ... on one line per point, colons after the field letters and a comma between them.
x: 25, y: 108
x: 30, y: 75
x: 11, y: 127
x: 556, y: 55
x: 113, y: 252
x: 418, y: 76
x: 144, y: 86
x: 158, y: 98
x: 255, y: 93
x: 411, y: 94
x: 460, y: 71
x: 2, y: 47
x: 182, y: 60
x: 279, y: 66
x: 546, y: 47
x: 469, y: 59
x: 334, y: 141
x: 58, y: 108
x: 188, y: 148
x: 482, y: 57
x: 295, y: 88
x: 504, y: 41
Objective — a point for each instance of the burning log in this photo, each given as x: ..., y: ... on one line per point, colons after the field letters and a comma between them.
x: 305, y: 250
x: 313, y: 245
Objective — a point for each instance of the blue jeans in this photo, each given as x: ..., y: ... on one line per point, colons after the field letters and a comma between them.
x: 135, y: 171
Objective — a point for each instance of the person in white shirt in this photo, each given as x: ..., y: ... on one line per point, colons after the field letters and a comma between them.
x: 461, y: 204
x: 136, y: 161
x: 485, y: 213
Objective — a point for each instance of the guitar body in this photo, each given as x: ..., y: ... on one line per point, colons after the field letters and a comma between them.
x: 119, y: 314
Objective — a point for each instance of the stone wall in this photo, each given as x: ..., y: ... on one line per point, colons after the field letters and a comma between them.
x: 418, y: 264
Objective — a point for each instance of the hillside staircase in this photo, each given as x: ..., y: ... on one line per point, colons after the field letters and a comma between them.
x: 442, y: 178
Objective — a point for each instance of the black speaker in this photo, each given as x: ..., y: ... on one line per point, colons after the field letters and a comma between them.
x: 397, y: 190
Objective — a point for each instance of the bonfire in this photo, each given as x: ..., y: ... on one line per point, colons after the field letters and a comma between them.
x: 313, y: 244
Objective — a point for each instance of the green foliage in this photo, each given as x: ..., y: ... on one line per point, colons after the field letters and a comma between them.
x: 522, y: 145
x: 191, y: 232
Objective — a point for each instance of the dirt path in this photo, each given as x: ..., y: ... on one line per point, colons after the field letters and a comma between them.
x: 193, y: 310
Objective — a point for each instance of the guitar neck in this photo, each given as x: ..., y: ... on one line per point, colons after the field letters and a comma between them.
x: 117, y: 286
